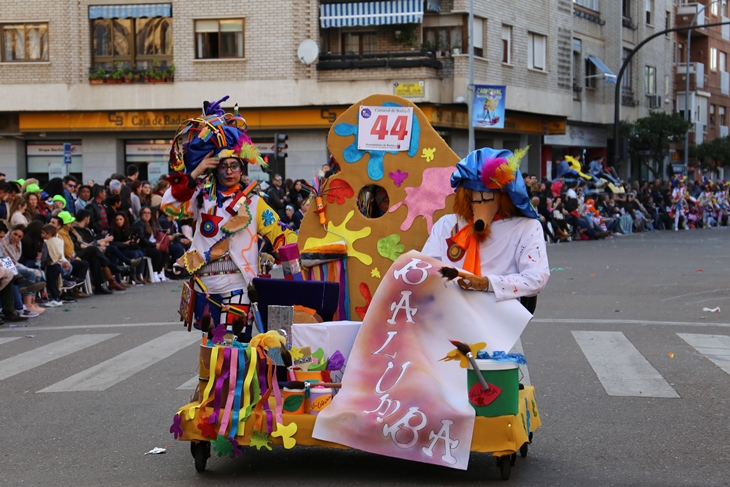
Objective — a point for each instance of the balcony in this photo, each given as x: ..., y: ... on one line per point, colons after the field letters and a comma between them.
x: 687, y: 11
x: 409, y: 59
x: 696, y: 71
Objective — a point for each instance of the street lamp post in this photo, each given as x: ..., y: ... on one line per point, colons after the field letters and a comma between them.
x: 470, y: 88
x: 686, y: 83
x: 619, y: 76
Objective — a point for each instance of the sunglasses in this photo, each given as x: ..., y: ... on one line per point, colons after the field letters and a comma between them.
x: 277, y: 179
x: 234, y: 166
x: 71, y: 185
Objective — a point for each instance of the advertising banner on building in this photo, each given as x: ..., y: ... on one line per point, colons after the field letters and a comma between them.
x: 489, y: 106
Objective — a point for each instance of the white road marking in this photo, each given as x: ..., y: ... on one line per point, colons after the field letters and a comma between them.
x: 190, y: 385
x: 523, y: 368
x: 714, y: 347
x: 626, y: 322
x: 115, y: 370
x: 47, y: 353
x: 90, y: 327
x: 620, y: 367
x: 9, y: 339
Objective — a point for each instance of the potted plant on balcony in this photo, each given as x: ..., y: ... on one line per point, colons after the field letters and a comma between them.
x: 155, y: 74
x: 127, y: 74
x: 116, y: 75
x: 407, y: 36
x: 170, y: 73
x: 97, y: 77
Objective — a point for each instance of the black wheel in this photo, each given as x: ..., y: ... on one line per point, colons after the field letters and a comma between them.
x: 202, y: 453
x: 193, y: 447
x: 513, y: 459
x: 523, y: 450
x: 505, y: 466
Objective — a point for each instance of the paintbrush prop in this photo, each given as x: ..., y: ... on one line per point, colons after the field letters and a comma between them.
x: 465, y: 280
x: 465, y: 350
x: 298, y: 384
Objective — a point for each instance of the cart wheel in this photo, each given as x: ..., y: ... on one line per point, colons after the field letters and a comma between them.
x: 523, y: 450
x: 513, y: 459
x: 201, y: 454
x: 505, y: 466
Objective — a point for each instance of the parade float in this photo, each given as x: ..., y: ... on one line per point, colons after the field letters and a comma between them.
x: 365, y: 344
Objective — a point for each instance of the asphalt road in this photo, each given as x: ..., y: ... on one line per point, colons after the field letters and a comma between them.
x: 649, y: 289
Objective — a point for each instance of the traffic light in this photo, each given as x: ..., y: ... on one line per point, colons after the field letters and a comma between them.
x: 280, y: 146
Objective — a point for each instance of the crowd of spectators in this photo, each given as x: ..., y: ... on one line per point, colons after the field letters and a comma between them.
x: 575, y: 209
x: 55, y: 239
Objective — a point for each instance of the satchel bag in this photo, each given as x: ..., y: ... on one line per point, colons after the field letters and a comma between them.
x: 164, y: 241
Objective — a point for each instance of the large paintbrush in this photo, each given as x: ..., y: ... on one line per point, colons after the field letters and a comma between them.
x: 464, y: 349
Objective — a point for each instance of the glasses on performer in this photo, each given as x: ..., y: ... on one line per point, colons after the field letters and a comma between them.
x: 234, y: 166
x: 482, y: 196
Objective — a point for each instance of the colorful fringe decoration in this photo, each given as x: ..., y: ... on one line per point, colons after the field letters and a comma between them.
x: 334, y: 271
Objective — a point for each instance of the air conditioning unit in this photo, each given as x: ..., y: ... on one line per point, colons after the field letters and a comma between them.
x: 655, y: 101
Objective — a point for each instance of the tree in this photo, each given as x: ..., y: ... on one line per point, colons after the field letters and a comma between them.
x: 649, y: 137
x: 713, y: 154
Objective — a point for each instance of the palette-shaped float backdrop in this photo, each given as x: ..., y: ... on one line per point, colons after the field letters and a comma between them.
x: 419, y: 189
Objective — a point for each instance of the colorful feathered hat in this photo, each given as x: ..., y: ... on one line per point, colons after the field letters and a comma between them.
x: 495, y: 171
x: 222, y: 133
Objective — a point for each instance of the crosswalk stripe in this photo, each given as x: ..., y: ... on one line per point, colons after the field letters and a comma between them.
x: 620, y: 367
x: 47, y: 353
x: 714, y: 347
x: 523, y: 368
x: 8, y: 339
x: 190, y: 385
x: 106, y: 374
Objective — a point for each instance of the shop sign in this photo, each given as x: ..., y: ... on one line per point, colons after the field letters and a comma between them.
x: 409, y: 89
x: 148, y: 149
x: 579, y: 137
x: 47, y: 150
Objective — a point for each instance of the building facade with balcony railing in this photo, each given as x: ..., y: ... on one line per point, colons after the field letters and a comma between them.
x: 708, y: 97
x: 116, y: 78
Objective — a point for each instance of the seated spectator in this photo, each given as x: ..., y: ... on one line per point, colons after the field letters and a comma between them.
x: 54, y: 263
x: 299, y: 214
x: 16, y: 211
x: 87, y: 248
x: 128, y: 246
x: 145, y: 232
x: 12, y: 247
x: 78, y: 268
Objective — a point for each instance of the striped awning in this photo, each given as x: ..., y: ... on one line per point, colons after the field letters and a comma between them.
x: 135, y: 11
x: 371, y: 13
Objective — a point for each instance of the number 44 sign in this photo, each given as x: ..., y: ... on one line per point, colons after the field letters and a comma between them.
x: 385, y: 128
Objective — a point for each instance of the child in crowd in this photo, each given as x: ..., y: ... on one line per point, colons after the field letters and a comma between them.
x: 52, y: 255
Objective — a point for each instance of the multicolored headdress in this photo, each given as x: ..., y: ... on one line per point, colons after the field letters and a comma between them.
x: 495, y: 171
x: 222, y: 133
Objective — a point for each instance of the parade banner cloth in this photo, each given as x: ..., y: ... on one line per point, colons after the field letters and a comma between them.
x: 398, y: 399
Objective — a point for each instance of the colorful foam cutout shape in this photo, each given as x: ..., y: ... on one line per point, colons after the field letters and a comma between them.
x: 410, y: 174
x: 287, y: 434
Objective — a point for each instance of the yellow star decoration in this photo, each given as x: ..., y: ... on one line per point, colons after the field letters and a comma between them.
x: 428, y: 153
x: 463, y: 360
x: 296, y: 354
x: 335, y: 234
x: 375, y: 273
x: 286, y: 433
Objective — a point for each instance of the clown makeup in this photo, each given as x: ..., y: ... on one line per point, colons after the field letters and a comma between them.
x: 229, y: 172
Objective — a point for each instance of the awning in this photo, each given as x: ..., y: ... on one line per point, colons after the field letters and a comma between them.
x: 130, y: 11
x: 607, y: 73
x: 371, y: 13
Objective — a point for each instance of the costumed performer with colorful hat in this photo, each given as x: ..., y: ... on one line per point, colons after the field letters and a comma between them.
x: 208, y: 157
x: 494, y: 233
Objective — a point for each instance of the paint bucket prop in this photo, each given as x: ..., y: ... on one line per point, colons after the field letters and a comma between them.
x: 305, y: 375
x: 504, y: 388
x: 319, y: 398
x: 294, y: 401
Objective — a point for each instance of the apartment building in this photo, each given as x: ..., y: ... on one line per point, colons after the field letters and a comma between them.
x: 114, y: 78
x: 707, y: 98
